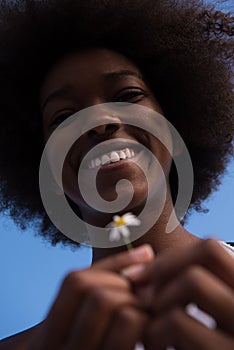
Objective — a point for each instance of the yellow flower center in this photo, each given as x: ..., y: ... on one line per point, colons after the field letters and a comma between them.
x: 120, y: 222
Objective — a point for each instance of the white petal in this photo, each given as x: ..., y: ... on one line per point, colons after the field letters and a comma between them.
x: 131, y: 219
x: 116, y: 218
x: 128, y: 215
x: 127, y: 218
x: 110, y: 225
x: 114, y: 234
x: 134, y: 222
x: 124, y: 231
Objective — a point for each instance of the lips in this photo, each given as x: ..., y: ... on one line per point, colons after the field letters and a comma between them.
x: 111, y: 157
x: 111, y: 151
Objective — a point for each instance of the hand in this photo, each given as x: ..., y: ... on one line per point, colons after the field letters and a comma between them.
x: 203, y: 275
x: 95, y: 308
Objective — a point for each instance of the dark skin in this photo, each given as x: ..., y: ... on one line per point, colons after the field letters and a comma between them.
x: 89, y: 87
x: 164, y: 272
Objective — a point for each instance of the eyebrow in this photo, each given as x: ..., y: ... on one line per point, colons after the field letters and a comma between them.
x: 120, y: 73
x: 56, y: 94
x: 106, y: 76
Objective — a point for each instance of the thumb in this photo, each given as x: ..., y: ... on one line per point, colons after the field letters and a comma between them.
x: 117, y: 262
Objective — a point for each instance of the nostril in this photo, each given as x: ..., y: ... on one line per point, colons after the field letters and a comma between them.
x: 111, y: 127
x: 92, y: 132
x: 103, y: 129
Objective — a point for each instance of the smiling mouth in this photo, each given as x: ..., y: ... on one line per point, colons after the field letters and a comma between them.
x: 111, y: 157
x: 112, y: 152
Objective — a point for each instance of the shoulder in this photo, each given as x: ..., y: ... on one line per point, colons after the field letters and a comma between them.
x: 20, y: 340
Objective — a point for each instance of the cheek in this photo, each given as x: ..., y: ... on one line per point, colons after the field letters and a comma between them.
x: 64, y: 162
x: 71, y: 168
x: 163, y: 157
x: 74, y: 156
x: 70, y: 184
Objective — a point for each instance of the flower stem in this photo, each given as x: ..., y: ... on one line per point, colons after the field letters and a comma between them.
x: 128, y: 243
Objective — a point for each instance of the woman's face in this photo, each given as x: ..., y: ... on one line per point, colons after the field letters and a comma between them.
x: 92, y: 77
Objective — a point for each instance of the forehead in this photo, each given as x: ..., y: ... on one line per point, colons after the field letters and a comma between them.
x: 85, y: 65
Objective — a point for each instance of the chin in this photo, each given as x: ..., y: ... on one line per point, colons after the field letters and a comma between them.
x: 134, y: 196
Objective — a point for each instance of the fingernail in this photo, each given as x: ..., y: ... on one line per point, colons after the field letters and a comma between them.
x: 133, y: 272
x: 144, y: 252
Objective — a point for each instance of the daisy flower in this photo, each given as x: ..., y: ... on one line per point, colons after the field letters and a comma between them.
x: 119, y: 228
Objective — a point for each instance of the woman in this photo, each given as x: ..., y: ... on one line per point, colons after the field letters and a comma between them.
x: 167, y: 57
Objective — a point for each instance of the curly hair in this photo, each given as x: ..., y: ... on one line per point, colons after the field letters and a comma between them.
x: 185, y: 49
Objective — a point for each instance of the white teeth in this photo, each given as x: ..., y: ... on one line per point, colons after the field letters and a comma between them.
x: 92, y: 163
x: 128, y: 153
x: 105, y: 159
x: 98, y: 162
x: 114, y: 157
x: 122, y: 155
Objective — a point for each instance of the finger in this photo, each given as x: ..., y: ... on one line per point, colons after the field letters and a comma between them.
x: 208, y: 253
x: 119, y: 261
x: 179, y: 330
x: 75, y: 287
x: 201, y: 287
x: 126, y: 329
x: 95, y: 316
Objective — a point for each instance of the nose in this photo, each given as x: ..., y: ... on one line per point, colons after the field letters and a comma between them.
x: 98, y: 123
x: 103, y: 130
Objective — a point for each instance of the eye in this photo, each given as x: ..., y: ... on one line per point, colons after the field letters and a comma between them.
x: 132, y: 95
x: 60, y: 118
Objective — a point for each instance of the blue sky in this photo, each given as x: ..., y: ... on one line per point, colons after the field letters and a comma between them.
x: 32, y: 270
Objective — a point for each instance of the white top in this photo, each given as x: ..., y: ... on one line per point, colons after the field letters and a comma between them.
x: 195, y: 312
